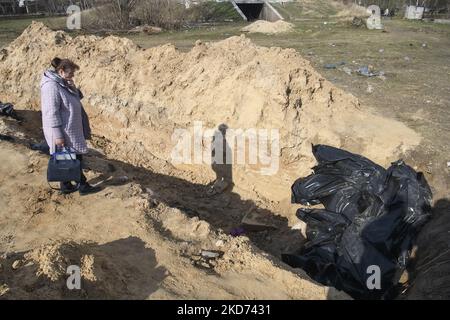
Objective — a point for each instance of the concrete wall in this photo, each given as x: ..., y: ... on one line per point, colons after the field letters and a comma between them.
x: 269, y: 13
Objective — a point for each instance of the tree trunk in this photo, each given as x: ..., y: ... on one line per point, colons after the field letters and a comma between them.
x: 13, y: 6
x: 124, y: 8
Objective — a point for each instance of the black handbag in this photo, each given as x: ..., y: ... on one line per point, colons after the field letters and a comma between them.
x: 63, y: 166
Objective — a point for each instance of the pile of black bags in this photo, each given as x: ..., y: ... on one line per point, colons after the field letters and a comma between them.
x: 371, y: 217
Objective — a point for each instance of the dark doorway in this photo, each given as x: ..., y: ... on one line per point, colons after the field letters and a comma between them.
x: 251, y: 10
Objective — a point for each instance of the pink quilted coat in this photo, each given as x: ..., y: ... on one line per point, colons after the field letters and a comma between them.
x: 61, y: 113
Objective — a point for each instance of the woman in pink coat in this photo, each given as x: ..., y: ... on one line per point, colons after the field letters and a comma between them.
x: 64, y: 120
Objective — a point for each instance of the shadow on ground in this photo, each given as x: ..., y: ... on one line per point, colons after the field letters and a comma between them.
x: 430, y: 268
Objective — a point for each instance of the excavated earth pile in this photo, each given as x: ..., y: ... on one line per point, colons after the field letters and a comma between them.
x: 136, y: 98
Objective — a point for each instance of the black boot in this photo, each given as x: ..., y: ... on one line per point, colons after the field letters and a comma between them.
x: 85, y: 188
x: 67, y: 187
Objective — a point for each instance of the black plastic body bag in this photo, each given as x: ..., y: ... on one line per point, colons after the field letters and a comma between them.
x: 371, y: 217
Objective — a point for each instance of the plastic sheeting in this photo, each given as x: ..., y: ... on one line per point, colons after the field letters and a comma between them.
x: 370, y: 218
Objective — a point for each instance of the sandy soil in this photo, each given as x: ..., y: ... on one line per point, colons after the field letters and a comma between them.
x: 128, y: 242
x: 161, y: 210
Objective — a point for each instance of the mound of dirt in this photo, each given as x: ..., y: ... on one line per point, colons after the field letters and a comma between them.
x: 263, y: 26
x: 137, y: 97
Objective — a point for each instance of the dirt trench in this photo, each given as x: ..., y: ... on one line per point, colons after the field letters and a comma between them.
x: 427, y: 272
x: 224, y: 211
x: 133, y: 240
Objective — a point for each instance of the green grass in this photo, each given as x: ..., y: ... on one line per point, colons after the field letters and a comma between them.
x: 214, y: 11
x: 306, y: 9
